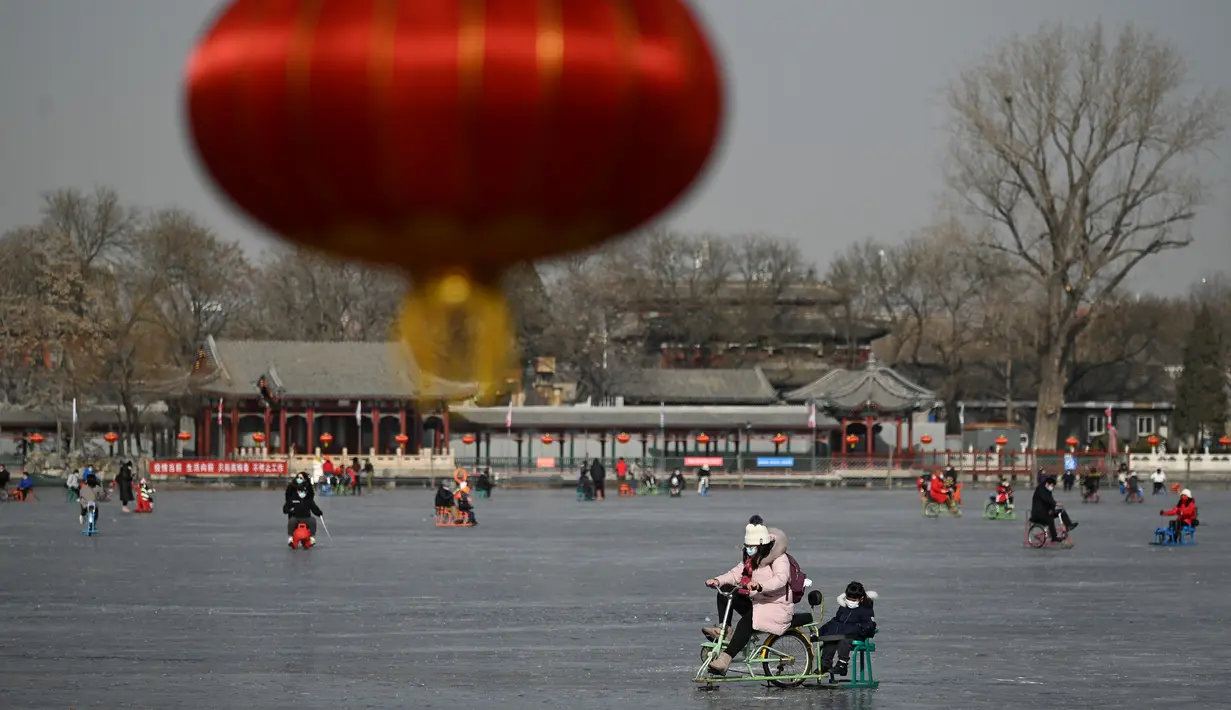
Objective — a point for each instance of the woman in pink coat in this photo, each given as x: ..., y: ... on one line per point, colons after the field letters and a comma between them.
x: 765, y: 573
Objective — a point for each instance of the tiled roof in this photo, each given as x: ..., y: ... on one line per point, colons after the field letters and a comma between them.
x: 702, y: 386
x: 875, y: 386
x: 320, y: 369
x: 775, y: 418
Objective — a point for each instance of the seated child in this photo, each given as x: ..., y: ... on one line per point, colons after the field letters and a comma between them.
x: 676, y: 481
x: 585, y: 486
x: 145, y: 495
x: 463, y: 501
x: 1004, y: 494
x: 938, y: 491
x: 854, y: 621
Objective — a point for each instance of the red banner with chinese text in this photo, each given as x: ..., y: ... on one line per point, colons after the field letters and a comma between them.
x: 208, y: 467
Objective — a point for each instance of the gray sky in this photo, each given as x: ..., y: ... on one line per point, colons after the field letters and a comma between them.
x: 835, y: 132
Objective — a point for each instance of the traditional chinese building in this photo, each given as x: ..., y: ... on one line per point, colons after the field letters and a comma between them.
x: 865, y: 402
x: 294, y: 397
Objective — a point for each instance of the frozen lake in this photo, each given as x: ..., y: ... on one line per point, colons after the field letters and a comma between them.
x: 552, y: 603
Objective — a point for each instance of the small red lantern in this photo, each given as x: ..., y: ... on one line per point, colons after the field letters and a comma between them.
x: 401, y: 439
x: 326, y: 438
x: 37, y: 438
x: 779, y: 439
x: 1072, y: 441
x: 183, y: 436
x: 397, y: 132
x: 623, y: 437
x: 1224, y: 440
x: 546, y: 439
x: 703, y: 438
x: 1002, y: 441
x: 258, y: 437
x: 468, y: 439
x: 925, y: 439
x: 852, y: 439
x: 111, y: 437
x: 1153, y: 440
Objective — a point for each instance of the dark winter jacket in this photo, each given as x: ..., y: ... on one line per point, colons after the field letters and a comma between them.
x: 857, y: 623
x: 305, y: 507
x: 1042, y: 506
x: 597, y: 472
x: 444, y: 498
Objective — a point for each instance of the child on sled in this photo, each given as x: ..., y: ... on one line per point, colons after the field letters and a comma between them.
x: 1004, y: 494
x: 855, y: 620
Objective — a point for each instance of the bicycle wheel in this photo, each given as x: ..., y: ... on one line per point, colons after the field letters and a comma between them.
x: 1037, y: 535
x: 931, y: 509
x: 787, y: 655
x: 992, y: 509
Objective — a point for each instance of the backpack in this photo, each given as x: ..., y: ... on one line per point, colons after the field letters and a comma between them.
x: 796, y: 582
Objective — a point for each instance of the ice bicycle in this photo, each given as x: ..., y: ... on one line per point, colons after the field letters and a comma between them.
x: 788, y: 660
x: 999, y: 511
x: 1166, y: 536
x: 91, y: 520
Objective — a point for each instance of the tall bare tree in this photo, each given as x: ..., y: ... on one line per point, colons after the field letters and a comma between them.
x: 1080, y: 147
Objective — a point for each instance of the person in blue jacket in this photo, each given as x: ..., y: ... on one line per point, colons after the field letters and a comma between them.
x: 25, y: 486
x: 855, y: 620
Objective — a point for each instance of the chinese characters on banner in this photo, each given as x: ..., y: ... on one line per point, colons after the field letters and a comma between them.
x: 217, y: 468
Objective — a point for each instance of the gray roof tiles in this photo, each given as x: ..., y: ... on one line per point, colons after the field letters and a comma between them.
x: 875, y: 386
x: 696, y: 386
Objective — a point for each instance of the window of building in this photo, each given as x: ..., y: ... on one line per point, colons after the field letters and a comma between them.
x: 1096, y: 424
x: 1145, y: 426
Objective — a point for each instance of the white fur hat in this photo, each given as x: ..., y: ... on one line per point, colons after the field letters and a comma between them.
x: 1186, y: 493
x: 756, y: 535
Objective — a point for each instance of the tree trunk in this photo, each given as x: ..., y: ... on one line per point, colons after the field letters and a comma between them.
x: 1054, y: 376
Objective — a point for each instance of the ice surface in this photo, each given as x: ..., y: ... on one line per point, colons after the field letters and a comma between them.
x: 554, y: 603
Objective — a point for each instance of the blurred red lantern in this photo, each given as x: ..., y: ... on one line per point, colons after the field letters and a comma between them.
x: 401, y: 439
x: 258, y: 437
x: 703, y: 438
x: 925, y: 439
x: 546, y: 439
x: 467, y: 439
x: 454, y: 139
x: 1001, y: 441
x: 183, y: 436
x: 1153, y: 440
x: 852, y: 439
x: 623, y: 437
x: 326, y: 438
x: 111, y: 437
x: 779, y: 439
x: 1072, y: 441
x: 37, y: 438
x: 1224, y: 440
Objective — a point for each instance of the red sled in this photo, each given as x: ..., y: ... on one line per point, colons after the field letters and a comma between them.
x: 301, y: 537
x: 144, y: 505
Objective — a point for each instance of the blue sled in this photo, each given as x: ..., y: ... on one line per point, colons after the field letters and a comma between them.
x: 1164, y: 537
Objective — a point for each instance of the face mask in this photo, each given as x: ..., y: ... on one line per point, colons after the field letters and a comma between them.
x: 1051, y: 488
x: 750, y: 551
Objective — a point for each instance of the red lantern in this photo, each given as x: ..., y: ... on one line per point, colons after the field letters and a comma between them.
x: 111, y: 437
x: 1224, y: 440
x: 546, y: 439
x: 326, y: 438
x: 453, y: 138
x: 852, y: 439
x: 1153, y: 440
x: 467, y: 439
x: 779, y: 439
x: 401, y: 439
x: 183, y: 436
x: 37, y: 438
x: 703, y: 438
x: 1072, y: 441
x: 925, y: 439
x: 623, y: 437
x: 258, y: 437
x: 1001, y: 441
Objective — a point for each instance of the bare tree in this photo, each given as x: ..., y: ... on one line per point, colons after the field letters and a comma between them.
x: 99, y: 226
x: 1080, y: 148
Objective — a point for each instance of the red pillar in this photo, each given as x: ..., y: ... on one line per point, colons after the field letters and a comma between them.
x: 282, y: 430
x: 868, y: 424
x: 234, y: 445
x: 910, y: 431
x: 897, y: 447
x: 375, y: 430
x: 311, y: 429
x: 444, y: 415
x: 402, y: 428
x: 844, y: 447
x: 267, y: 423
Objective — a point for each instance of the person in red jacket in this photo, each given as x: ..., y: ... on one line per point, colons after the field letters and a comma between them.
x: 939, y: 491
x: 1185, y: 512
x: 1004, y: 494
